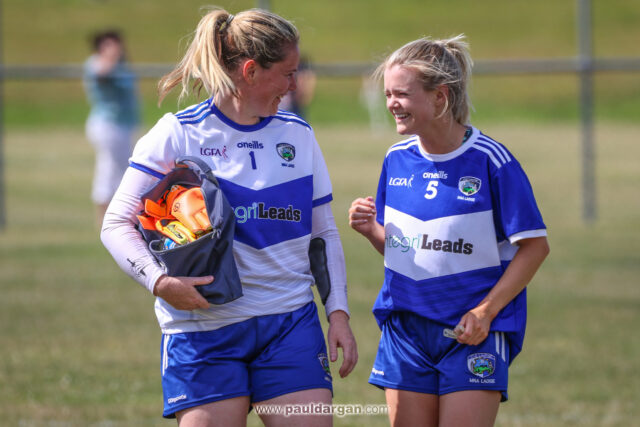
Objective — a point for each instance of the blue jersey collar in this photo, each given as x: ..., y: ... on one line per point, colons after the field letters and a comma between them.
x: 243, y: 128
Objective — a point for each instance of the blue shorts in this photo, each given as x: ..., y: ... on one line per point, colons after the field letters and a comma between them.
x: 414, y: 355
x: 263, y: 357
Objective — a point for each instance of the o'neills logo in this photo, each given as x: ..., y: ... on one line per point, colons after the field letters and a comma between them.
x: 253, y: 145
x: 176, y: 399
x: 421, y: 241
x: 262, y: 211
x: 435, y: 175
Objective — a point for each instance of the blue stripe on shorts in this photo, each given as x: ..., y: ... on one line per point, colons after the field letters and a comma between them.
x: 263, y: 357
x: 415, y: 355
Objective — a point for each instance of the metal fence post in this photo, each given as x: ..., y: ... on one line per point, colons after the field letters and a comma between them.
x: 3, y: 219
x: 585, y: 70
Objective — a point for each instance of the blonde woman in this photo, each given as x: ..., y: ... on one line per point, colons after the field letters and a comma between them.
x: 462, y: 236
x: 266, y: 347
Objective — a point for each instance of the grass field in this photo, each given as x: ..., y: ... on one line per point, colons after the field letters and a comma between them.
x: 333, y: 31
x: 80, y: 344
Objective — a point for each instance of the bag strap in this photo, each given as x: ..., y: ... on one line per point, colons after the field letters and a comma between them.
x: 204, y: 168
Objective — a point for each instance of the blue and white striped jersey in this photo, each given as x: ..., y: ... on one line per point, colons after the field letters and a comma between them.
x: 273, y: 174
x: 451, y: 221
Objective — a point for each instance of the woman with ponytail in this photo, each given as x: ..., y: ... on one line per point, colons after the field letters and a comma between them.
x: 266, y: 347
x: 462, y: 236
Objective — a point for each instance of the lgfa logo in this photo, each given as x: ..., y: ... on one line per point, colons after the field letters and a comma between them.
x: 400, y: 182
x: 214, y: 152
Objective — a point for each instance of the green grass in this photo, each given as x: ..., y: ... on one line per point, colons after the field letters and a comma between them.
x: 80, y: 340
x: 80, y: 343
x: 496, y: 99
x: 333, y: 31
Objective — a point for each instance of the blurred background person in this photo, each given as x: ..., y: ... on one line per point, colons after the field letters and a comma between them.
x: 111, y: 89
x: 298, y: 100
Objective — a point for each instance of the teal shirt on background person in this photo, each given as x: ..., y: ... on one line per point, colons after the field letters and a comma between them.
x: 113, y: 96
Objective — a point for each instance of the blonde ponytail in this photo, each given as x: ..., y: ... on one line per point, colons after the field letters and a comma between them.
x: 220, y: 41
x: 460, y: 106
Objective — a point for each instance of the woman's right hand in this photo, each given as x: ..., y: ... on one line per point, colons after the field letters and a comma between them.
x: 180, y: 292
x: 362, y: 218
x: 362, y: 215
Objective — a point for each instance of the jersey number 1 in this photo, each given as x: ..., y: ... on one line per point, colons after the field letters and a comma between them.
x: 253, y: 160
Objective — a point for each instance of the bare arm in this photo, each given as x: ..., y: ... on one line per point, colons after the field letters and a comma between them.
x: 362, y: 218
x: 339, y: 335
x: 518, y: 274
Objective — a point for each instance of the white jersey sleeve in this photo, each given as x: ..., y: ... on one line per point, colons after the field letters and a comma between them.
x: 321, y: 181
x: 324, y: 226
x: 153, y: 156
x: 120, y: 236
x: 157, y: 150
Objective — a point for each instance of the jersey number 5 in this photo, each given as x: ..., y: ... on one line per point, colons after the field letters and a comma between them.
x: 432, y: 190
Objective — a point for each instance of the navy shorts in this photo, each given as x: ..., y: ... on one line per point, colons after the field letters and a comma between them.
x: 415, y: 355
x: 263, y: 357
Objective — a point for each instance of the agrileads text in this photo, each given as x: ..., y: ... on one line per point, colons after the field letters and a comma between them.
x: 262, y: 211
x: 423, y: 242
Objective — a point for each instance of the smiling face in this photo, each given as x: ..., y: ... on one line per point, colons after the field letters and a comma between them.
x: 413, y: 108
x: 272, y: 84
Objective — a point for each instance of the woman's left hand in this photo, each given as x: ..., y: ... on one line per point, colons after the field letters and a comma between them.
x: 476, y: 324
x: 340, y: 335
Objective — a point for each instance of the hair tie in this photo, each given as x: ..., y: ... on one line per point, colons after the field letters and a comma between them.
x: 225, y: 25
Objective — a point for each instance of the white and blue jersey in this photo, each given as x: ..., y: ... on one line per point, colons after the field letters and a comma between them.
x: 451, y: 222
x: 273, y: 175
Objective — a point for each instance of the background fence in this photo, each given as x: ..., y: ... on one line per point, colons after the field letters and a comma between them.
x: 80, y: 339
x: 583, y: 64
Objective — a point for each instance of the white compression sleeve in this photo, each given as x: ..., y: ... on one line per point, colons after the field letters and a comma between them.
x: 324, y: 226
x: 119, y: 234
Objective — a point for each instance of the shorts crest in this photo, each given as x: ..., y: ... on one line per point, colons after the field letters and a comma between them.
x: 481, y: 364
